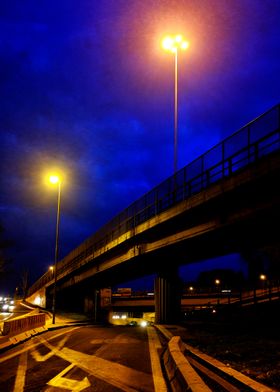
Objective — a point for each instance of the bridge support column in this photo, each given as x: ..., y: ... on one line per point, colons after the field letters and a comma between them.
x: 92, y: 303
x: 167, y: 288
x: 97, y: 303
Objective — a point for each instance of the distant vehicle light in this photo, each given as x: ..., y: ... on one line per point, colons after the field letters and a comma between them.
x: 5, y: 307
x: 124, y: 316
x: 143, y: 323
x: 38, y: 300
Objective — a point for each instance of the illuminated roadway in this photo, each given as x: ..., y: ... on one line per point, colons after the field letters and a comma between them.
x: 90, y: 358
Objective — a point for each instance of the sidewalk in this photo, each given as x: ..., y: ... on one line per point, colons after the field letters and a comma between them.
x: 61, y: 320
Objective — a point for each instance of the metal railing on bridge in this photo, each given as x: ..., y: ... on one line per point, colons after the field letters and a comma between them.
x: 248, y: 145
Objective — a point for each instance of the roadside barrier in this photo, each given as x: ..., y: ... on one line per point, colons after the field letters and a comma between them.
x: 15, y: 326
x: 182, y: 377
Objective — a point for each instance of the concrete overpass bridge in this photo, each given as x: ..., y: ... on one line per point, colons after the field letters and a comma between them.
x: 225, y: 201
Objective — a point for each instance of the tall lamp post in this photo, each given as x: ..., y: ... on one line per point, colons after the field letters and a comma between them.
x: 54, y: 179
x: 173, y: 44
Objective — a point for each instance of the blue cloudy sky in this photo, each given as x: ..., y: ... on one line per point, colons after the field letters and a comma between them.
x: 87, y: 88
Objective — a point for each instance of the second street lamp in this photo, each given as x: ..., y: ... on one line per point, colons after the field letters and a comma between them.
x: 174, y: 44
x: 54, y: 179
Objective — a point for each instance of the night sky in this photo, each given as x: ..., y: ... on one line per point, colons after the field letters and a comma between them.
x: 86, y: 88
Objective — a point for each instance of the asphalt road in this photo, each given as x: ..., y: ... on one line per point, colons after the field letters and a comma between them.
x: 87, y: 358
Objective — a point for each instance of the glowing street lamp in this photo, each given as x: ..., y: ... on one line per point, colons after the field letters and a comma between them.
x: 55, y: 180
x: 174, y: 44
x: 263, y: 278
x: 217, y: 283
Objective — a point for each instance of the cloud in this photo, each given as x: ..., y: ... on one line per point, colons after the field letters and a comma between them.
x: 87, y: 89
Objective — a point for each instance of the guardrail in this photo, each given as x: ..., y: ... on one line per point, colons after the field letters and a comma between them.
x: 27, y: 323
x: 181, y: 375
x: 186, y: 368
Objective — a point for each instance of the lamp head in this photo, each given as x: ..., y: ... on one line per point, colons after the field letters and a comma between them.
x: 54, y: 179
x: 174, y: 43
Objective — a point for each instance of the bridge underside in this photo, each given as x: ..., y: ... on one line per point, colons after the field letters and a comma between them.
x: 236, y: 215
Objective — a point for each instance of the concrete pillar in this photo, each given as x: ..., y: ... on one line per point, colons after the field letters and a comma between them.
x: 91, y: 303
x: 97, y: 302
x: 168, y: 292
x: 88, y: 305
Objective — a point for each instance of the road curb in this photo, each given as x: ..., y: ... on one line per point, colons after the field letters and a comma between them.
x: 181, y: 375
x: 13, y: 341
x: 16, y: 339
x: 176, y: 366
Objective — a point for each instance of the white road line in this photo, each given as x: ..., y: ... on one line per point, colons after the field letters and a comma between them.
x: 154, y: 347
x: 21, y: 372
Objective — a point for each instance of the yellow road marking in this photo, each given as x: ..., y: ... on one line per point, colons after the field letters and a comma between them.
x: 21, y: 371
x: 113, y: 373
x: 67, y: 383
x: 30, y: 345
x: 42, y: 358
x: 121, y: 376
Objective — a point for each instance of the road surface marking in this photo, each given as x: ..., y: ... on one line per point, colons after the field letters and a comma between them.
x: 154, y: 347
x: 42, y: 358
x: 67, y: 383
x: 113, y: 373
x: 121, y: 376
x: 30, y: 345
x: 21, y: 372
